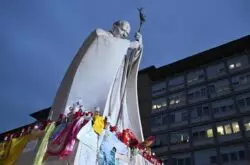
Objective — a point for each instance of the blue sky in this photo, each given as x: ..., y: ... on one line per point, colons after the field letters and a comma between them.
x: 38, y: 40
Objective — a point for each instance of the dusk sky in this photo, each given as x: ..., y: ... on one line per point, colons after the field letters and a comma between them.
x: 38, y: 40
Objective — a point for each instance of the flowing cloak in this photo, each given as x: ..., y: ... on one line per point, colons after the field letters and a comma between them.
x: 103, y: 74
x: 122, y: 101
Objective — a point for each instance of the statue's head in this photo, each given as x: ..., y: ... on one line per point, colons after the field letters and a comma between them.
x: 121, y: 29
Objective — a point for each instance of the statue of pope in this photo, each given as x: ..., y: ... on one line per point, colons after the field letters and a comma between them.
x: 104, y: 74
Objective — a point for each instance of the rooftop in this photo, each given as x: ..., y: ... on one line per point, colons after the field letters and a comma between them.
x: 208, y: 56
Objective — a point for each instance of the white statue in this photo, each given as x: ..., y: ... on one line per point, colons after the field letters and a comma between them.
x: 104, y: 74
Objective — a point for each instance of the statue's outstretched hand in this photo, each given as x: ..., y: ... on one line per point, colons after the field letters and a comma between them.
x: 138, y: 37
x: 137, y: 43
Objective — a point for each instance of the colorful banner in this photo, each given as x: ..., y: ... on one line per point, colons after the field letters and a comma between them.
x: 16, y: 147
x: 43, y: 146
x: 4, y: 150
x: 111, y: 147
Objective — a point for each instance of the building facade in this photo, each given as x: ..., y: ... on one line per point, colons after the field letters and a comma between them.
x: 198, y: 108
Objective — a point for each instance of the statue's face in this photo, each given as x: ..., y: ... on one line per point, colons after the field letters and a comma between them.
x: 121, y: 29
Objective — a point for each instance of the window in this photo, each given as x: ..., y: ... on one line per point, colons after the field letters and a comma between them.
x: 179, y: 117
x: 195, y: 76
x: 247, y: 124
x: 165, y: 119
x: 160, y: 140
x: 241, y: 81
x: 184, y: 116
x: 200, y: 112
x: 181, y: 160
x: 156, y: 122
x: 159, y: 104
x: 171, y: 102
x: 231, y: 66
x: 176, y: 99
x: 204, y: 157
x: 248, y: 101
x: 197, y: 94
x: 200, y: 133
x: 220, y: 130
x: 203, y: 92
x: 174, y: 161
x: 188, y: 161
x: 176, y: 83
x: 216, y: 110
x: 219, y: 88
x: 211, y: 89
x: 165, y: 162
x: 205, y: 110
x: 190, y: 96
x: 223, y: 107
x: 241, y: 155
x: 230, y: 107
x: 225, y: 158
x: 172, y: 118
x: 227, y: 129
x: 243, y: 102
x: 237, y: 62
x: 213, y: 159
x: 235, y: 127
x: 159, y: 88
x: 157, y: 141
x: 210, y: 133
x: 233, y: 156
x: 196, y: 135
x: 181, y: 137
x: 216, y: 70
x: 203, y: 134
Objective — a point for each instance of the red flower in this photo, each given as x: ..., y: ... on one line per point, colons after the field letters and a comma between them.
x: 113, y: 128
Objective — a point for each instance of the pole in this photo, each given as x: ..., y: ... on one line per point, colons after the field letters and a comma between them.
x: 142, y: 18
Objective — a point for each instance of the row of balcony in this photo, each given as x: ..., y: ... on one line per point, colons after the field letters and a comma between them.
x: 212, y: 72
x: 230, y: 155
x: 222, y: 132
x: 200, y: 94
